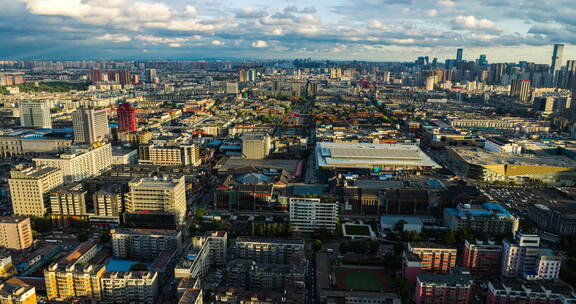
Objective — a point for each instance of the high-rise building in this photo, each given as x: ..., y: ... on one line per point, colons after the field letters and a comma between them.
x: 66, y: 282
x: 252, y: 75
x: 166, y: 195
x: 15, y: 232
x: 255, y: 146
x: 35, y: 114
x: 125, y: 77
x: 126, y: 118
x: 521, y: 89
x: 270, y: 251
x: 130, y: 287
x: 29, y: 188
x: 80, y: 162
x: 482, y: 60
x: 520, y: 254
x: 109, y: 201
x: 232, y: 88
x: 68, y: 200
x: 435, y: 258
x: 459, y: 54
x: 430, y: 83
x: 90, y: 125
x: 243, y: 75
x: 311, y: 214
x: 151, y: 75
x: 144, y: 244
x: 95, y: 76
x: 113, y: 76
x: 483, y: 258
x: 557, y: 57
x: 489, y: 218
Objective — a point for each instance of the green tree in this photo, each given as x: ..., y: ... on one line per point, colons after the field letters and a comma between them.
x: 83, y: 236
x: 200, y: 212
x: 41, y: 224
x: 317, y: 245
x: 450, y: 237
x: 399, y: 226
x: 105, y: 237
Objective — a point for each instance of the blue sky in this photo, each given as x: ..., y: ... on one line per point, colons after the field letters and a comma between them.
x: 378, y: 30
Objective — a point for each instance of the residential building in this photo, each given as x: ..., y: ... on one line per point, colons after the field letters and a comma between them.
x: 270, y: 251
x: 7, y: 268
x: 130, y: 287
x: 11, y: 293
x: 167, y: 195
x: 483, y: 258
x: 80, y: 162
x: 127, y: 118
x: 29, y: 188
x: 522, y: 256
x: 109, y: 201
x: 557, y: 218
x: 541, y: 292
x: 255, y: 146
x: 90, y: 125
x: 144, y: 244
x: 65, y: 282
x: 454, y: 288
x: 435, y: 258
x: 489, y: 218
x: 520, y: 89
x: 207, y: 250
x: 35, y: 114
x: 170, y: 154
x: 15, y: 232
x: 312, y: 214
x: 68, y: 200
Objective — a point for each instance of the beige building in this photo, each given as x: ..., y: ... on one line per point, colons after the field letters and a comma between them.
x: 255, y: 146
x: 130, y: 287
x: 35, y: 114
x: 29, y: 188
x: 7, y: 268
x: 144, y: 244
x: 65, y: 282
x: 109, y: 201
x: 11, y: 293
x: 28, y: 144
x: 90, y: 125
x: 157, y: 195
x: 80, y: 162
x: 169, y: 155
x: 15, y: 232
x: 68, y: 199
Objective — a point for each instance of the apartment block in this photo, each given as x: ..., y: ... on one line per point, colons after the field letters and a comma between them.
x: 130, y: 287
x: 11, y: 293
x: 483, y: 258
x: 311, y: 214
x: 454, y: 288
x: 435, y: 258
x: 541, y: 292
x: 68, y: 199
x: 90, y: 125
x: 490, y: 218
x: 166, y: 195
x: 7, y: 268
x: 270, y: 251
x: 29, y: 188
x: 255, y: 146
x: 65, y: 282
x: 170, y: 154
x: 15, y: 232
x: 80, y: 162
x: 144, y: 244
x: 35, y: 114
x: 522, y: 256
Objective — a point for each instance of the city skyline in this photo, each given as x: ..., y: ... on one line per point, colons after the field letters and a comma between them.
x: 371, y: 30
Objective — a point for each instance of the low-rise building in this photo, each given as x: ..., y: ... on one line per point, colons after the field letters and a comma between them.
x: 144, y: 244
x: 271, y: 251
x: 17, y: 294
x: 65, y: 282
x: 7, y: 268
x: 541, y: 292
x: 434, y: 257
x: 489, y: 218
x: 454, y: 288
x: 15, y: 232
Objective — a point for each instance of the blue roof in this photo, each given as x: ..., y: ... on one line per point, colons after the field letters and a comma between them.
x: 497, y: 208
x: 117, y: 264
x: 230, y: 147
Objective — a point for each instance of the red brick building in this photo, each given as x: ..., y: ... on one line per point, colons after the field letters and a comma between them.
x: 483, y: 258
x: 454, y: 288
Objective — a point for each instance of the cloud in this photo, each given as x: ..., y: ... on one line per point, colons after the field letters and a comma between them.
x: 259, y: 44
x: 114, y: 38
x: 217, y: 42
x: 249, y: 13
x: 473, y: 23
x: 431, y: 12
x: 446, y: 3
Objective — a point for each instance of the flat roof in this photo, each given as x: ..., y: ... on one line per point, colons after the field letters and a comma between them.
x: 482, y: 157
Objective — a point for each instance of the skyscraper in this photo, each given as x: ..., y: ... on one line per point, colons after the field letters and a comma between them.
x: 35, y: 114
x: 151, y: 75
x: 95, y: 76
x: 520, y: 88
x: 243, y: 75
x: 482, y: 60
x: 125, y: 77
x: 126, y: 118
x: 459, y: 54
x: 90, y: 125
x: 557, y: 57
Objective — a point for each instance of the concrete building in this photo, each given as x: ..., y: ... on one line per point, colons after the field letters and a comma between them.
x: 207, y: 250
x: 15, y: 232
x: 522, y: 256
x: 312, y: 214
x: 541, y: 292
x: 80, y: 162
x: 520, y: 89
x: 130, y: 287
x: 11, y: 293
x: 29, y: 188
x: 144, y: 244
x: 255, y: 146
x: 232, y: 88
x: 557, y: 218
x: 68, y: 199
x: 482, y: 258
x: 65, y: 282
x: 166, y: 195
x: 269, y: 251
x: 7, y: 268
x: 170, y: 154
x: 435, y: 258
x: 454, y: 288
x: 35, y: 114
x: 490, y: 218
x: 90, y: 125
x: 109, y: 201
x: 33, y: 142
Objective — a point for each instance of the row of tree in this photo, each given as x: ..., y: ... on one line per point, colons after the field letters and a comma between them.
x: 271, y: 229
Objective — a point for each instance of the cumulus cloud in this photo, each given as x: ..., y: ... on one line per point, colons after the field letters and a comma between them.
x: 217, y: 42
x: 259, y: 44
x: 446, y: 3
x: 431, y: 12
x: 473, y: 23
x: 114, y: 38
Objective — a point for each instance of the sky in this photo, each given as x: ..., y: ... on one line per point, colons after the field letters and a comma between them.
x: 372, y: 30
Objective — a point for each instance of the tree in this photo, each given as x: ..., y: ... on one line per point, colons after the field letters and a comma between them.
x: 105, y: 237
x: 83, y: 236
x: 450, y: 237
x: 344, y: 247
x: 139, y: 267
x: 317, y: 245
x: 373, y: 247
x: 41, y: 224
x: 200, y: 212
x: 399, y: 226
